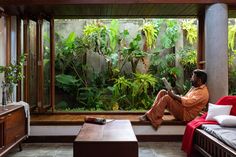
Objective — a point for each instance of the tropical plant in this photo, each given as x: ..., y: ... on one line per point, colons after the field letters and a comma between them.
x: 13, y: 73
x: 121, y: 87
x: 67, y: 82
x: 133, y: 53
x: 95, y: 37
x: 191, y: 28
x: 114, y: 34
x: 231, y: 43
x: 232, y: 81
x: 89, y: 98
x: 171, y: 34
x: 162, y: 65
x: 150, y: 32
x: 188, y: 57
x: 142, y: 85
x: 134, y: 93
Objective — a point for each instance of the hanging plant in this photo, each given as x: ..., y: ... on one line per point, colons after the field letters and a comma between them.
x: 151, y: 33
x: 231, y: 43
x: 191, y: 29
x: 95, y: 37
x: 231, y: 37
x: 171, y: 34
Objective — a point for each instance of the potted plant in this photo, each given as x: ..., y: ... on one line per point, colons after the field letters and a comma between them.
x: 13, y: 73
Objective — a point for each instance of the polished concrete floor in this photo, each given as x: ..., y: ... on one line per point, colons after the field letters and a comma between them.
x: 146, y: 149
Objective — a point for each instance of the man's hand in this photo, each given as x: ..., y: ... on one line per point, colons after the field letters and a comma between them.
x: 174, y: 96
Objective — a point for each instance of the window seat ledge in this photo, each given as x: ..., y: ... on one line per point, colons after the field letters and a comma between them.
x: 74, y: 119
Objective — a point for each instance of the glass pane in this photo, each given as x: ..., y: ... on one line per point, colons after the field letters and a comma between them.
x: 46, y: 62
x: 32, y: 64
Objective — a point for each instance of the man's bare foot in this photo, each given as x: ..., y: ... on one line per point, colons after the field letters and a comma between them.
x: 143, y: 118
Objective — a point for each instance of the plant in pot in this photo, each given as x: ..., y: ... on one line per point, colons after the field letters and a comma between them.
x: 12, y: 74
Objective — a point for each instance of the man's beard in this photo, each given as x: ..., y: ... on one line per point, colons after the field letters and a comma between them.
x: 194, y: 83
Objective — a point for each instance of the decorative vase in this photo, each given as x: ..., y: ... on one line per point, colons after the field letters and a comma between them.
x: 10, y: 89
x: 4, y: 100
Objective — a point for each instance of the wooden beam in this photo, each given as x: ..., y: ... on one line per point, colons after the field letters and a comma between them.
x: 18, y: 49
x: 201, y: 42
x: 52, y: 62
x: 66, y: 2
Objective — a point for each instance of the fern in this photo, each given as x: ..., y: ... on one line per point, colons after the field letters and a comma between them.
x: 191, y: 29
x: 231, y: 37
x: 231, y: 43
x: 150, y: 33
x: 121, y: 86
x: 142, y: 82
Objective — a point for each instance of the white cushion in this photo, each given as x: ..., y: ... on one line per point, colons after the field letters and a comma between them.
x: 216, y: 110
x: 226, y: 120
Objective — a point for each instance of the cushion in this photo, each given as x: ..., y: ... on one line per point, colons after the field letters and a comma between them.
x: 216, y: 110
x: 228, y: 100
x: 226, y: 120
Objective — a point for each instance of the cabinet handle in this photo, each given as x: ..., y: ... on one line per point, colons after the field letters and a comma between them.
x: 9, y: 115
x: 2, y: 118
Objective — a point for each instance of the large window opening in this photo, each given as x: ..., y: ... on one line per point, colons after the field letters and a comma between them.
x: 118, y: 64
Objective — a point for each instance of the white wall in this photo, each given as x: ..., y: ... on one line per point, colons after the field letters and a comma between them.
x: 2, y: 49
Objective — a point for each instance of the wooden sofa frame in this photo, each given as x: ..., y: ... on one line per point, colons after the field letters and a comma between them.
x: 209, y: 146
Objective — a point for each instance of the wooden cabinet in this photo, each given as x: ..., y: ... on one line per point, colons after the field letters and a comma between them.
x: 13, y: 128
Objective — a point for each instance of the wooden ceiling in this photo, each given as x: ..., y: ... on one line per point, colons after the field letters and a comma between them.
x: 111, y: 8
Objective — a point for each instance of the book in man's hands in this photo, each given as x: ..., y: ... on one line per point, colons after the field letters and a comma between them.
x: 166, y: 83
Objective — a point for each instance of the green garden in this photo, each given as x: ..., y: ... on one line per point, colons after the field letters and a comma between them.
x: 117, y: 64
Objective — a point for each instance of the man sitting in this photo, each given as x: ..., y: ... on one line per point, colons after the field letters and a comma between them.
x: 184, y: 108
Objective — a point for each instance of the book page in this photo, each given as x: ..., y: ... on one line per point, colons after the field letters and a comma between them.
x: 166, y: 83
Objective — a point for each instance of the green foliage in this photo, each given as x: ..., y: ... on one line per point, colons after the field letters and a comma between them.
x: 13, y: 72
x: 188, y: 56
x: 134, y: 93
x: 191, y: 29
x: 142, y: 83
x: 115, y: 88
x: 96, y: 38
x: 63, y: 105
x: 133, y: 53
x: 162, y: 65
x: 89, y: 98
x: 66, y: 82
x: 150, y: 33
x: 232, y: 81
x: 231, y: 44
x: 121, y: 87
x: 171, y: 34
x: 68, y: 52
x: 114, y: 34
x: 231, y: 37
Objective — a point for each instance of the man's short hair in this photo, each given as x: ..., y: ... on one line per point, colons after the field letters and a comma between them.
x: 201, y: 74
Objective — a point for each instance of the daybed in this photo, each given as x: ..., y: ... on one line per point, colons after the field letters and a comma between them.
x: 208, y: 138
x: 211, y: 144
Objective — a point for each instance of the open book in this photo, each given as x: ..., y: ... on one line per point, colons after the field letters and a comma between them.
x: 166, y: 83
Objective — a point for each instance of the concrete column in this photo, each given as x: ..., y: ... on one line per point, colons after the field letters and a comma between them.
x: 216, y: 46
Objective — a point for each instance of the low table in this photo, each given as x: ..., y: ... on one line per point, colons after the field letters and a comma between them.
x: 114, y: 139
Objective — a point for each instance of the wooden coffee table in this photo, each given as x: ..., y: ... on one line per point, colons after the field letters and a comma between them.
x: 114, y: 139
